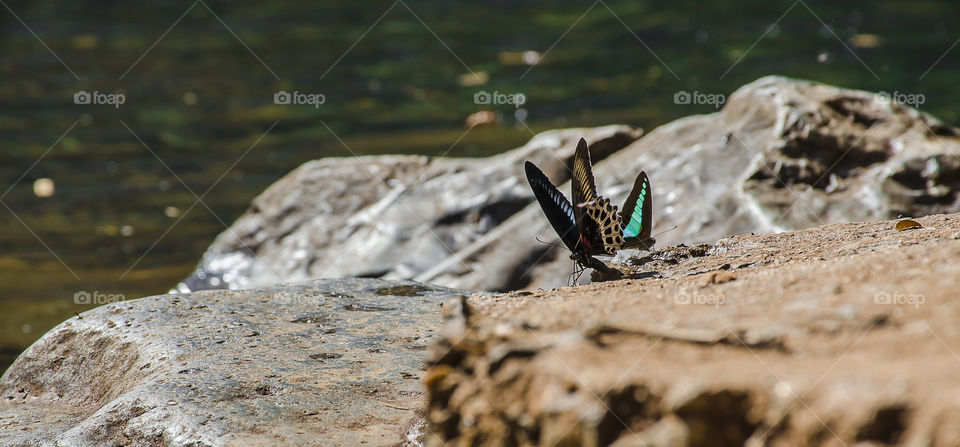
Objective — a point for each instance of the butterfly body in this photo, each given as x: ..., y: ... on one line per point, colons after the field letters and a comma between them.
x: 592, y: 225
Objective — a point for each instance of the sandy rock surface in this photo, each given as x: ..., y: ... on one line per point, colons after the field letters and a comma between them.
x: 836, y: 335
x: 325, y: 363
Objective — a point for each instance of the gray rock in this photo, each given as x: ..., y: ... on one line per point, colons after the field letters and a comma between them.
x: 332, y: 362
x: 782, y: 154
x: 391, y: 217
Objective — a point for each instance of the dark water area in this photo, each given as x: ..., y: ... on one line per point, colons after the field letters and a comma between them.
x: 199, y: 119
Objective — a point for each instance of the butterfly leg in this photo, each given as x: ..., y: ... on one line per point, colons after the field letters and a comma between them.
x: 576, y: 274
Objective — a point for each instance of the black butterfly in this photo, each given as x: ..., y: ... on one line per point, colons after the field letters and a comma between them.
x: 593, y: 226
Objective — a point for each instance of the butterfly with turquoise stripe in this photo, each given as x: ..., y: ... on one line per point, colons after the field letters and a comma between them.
x: 591, y: 225
x: 635, y: 218
x: 630, y: 228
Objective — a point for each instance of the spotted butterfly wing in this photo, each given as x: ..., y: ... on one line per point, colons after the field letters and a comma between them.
x: 636, y: 215
x: 602, y: 234
x: 555, y: 206
x: 596, y: 217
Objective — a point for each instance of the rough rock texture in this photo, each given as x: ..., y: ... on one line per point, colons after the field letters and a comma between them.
x: 333, y: 362
x: 844, y: 334
x: 782, y: 154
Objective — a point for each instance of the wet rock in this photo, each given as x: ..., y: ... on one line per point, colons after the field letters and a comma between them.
x: 275, y: 366
x: 835, y: 335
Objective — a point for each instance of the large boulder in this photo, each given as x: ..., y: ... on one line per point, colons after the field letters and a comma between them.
x: 782, y: 154
x: 331, y: 363
x: 384, y: 216
x: 844, y: 334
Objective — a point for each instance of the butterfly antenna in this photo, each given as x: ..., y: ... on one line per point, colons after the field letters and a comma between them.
x: 552, y: 244
x: 665, y: 231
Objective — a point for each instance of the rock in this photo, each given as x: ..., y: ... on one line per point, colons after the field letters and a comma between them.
x: 384, y: 216
x: 841, y: 334
x: 782, y: 154
x: 330, y: 362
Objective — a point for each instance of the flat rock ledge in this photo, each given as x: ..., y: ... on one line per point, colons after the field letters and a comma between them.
x: 327, y: 362
x: 844, y: 334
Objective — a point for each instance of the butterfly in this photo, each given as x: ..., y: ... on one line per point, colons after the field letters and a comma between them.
x: 592, y: 225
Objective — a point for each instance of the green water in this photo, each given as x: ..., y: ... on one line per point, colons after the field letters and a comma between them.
x: 201, y: 101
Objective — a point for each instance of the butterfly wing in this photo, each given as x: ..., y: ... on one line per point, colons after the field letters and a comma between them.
x: 637, y: 212
x: 601, y: 231
x: 555, y: 206
x: 583, y: 185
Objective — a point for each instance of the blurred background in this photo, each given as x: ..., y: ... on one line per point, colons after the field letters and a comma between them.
x: 103, y: 198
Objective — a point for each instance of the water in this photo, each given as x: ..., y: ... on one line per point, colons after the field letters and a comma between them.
x: 199, y: 120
